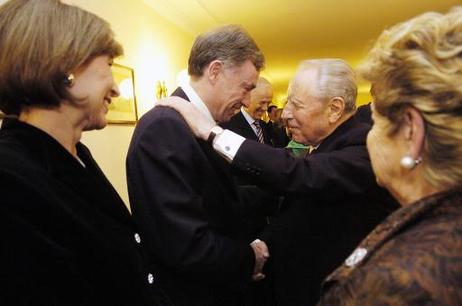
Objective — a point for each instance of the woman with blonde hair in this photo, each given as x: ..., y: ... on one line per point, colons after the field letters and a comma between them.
x: 67, y: 237
x: 415, y: 256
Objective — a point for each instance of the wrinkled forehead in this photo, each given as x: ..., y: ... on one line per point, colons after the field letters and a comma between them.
x: 304, y: 83
x: 246, y: 72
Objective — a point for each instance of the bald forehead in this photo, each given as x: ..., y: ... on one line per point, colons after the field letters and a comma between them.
x: 263, y: 82
x: 264, y: 89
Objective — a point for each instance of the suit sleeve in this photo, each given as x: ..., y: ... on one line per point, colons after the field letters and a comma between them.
x: 165, y: 195
x: 344, y: 170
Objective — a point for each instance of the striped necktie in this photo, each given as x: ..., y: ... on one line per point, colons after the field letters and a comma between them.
x: 259, y: 131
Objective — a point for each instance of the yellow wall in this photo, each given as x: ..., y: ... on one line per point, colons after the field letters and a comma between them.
x: 157, y: 50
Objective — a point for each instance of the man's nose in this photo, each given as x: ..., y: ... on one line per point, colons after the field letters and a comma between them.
x: 286, y: 113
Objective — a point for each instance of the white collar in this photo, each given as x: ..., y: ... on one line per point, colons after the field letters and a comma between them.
x: 196, y: 100
x: 247, y: 116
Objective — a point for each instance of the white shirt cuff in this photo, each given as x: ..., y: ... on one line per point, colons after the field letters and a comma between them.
x: 227, y: 144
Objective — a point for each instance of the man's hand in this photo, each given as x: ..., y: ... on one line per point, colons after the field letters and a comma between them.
x: 199, y: 124
x: 261, y: 256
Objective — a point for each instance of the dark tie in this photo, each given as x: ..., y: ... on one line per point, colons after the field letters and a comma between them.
x: 259, y: 131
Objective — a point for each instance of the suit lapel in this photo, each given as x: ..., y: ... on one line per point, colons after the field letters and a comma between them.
x: 218, y: 163
x: 246, y: 128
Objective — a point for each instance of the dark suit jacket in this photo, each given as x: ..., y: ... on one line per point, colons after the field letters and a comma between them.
x: 332, y: 203
x: 183, y: 197
x: 257, y: 204
x: 67, y: 237
x: 278, y: 135
x: 239, y: 125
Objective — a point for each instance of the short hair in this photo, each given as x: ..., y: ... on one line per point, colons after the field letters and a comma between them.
x: 41, y: 43
x: 271, y: 107
x: 418, y: 64
x: 335, y: 79
x: 230, y: 44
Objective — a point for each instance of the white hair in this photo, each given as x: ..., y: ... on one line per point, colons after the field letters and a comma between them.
x: 335, y: 79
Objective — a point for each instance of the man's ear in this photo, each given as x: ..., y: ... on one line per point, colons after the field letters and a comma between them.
x: 336, y: 107
x: 414, y: 131
x: 213, y: 71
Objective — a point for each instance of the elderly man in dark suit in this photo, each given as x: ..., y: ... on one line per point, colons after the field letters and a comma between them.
x: 332, y: 199
x: 258, y: 205
x: 248, y: 122
x: 181, y: 192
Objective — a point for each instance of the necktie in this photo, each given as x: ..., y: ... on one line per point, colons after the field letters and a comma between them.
x: 259, y: 131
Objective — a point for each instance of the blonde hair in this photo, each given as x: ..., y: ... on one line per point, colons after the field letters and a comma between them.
x: 418, y: 64
x: 335, y: 79
x: 42, y: 41
x: 230, y: 44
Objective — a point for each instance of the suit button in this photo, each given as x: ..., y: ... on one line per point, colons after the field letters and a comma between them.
x: 137, y: 238
x: 150, y: 278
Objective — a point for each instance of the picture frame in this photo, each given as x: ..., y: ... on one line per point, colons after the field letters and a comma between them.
x: 123, y: 109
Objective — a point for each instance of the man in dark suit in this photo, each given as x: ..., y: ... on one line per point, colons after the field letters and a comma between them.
x: 258, y: 205
x: 248, y: 122
x: 279, y: 136
x: 181, y: 192
x: 332, y: 200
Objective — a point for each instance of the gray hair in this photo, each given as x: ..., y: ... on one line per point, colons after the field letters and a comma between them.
x: 335, y: 79
x: 231, y: 44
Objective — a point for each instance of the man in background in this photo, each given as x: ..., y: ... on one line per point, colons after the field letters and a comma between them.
x: 248, y: 122
x: 277, y: 128
x: 182, y: 194
x: 258, y: 206
x: 272, y: 112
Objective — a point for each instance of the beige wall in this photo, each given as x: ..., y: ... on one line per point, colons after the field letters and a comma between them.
x: 157, y: 50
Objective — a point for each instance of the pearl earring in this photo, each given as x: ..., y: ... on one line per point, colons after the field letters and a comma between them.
x: 69, y: 79
x: 407, y: 162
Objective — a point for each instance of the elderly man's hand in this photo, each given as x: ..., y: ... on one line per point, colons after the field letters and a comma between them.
x: 261, y: 256
x: 199, y: 124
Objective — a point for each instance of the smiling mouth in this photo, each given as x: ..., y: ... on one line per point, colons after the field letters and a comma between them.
x: 292, y: 128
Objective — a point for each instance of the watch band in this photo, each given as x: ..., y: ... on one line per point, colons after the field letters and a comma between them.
x: 216, y: 130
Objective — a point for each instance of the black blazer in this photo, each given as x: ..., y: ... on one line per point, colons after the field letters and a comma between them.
x: 332, y: 203
x: 239, y: 125
x: 67, y: 237
x: 183, y: 197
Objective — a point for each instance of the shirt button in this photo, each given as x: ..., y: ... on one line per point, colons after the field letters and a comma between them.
x: 150, y: 278
x: 137, y: 238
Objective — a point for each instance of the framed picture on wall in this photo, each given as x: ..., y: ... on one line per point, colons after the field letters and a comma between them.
x: 122, y: 109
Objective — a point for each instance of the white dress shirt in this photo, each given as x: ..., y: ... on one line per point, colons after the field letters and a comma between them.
x: 196, y: 100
